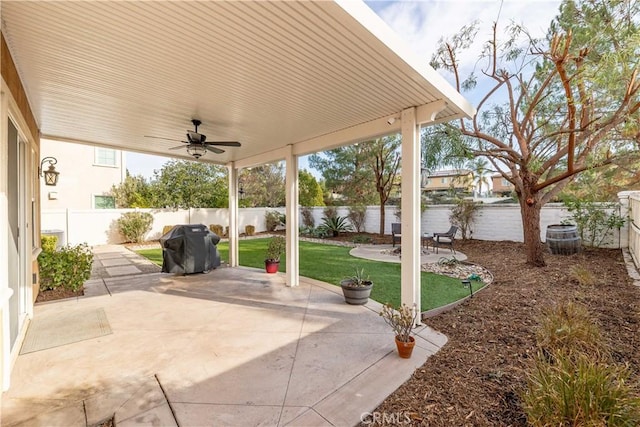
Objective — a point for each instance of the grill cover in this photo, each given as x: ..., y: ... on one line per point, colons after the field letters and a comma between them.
x: 189, y: 248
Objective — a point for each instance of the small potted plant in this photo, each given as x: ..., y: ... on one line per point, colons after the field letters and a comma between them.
x: 357, y: 288
x: 277, y: 246
x: 402, y: 321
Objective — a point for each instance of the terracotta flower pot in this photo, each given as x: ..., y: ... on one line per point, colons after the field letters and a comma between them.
x: 405, y: 348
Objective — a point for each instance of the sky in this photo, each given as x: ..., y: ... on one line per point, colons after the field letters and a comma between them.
x: 421, y: 24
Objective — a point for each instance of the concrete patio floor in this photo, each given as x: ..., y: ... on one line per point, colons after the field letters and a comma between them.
x: 231, y: 347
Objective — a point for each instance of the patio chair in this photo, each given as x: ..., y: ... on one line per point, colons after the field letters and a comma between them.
x: 445, y: 239
x: 396, y: 233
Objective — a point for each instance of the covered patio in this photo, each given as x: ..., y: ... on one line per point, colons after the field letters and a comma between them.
x: 285, y: 79
x: 231, y: 347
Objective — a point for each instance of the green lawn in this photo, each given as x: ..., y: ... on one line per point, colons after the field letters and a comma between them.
x: 331, y: 264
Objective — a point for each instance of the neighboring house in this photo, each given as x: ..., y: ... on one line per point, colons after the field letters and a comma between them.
x: 501, y: 187
x: 76, y: 162
x: 449, y: 181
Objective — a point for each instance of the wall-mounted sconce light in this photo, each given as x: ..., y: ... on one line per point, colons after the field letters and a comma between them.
x: 50, y: 175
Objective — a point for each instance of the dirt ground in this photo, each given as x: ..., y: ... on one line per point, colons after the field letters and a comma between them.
x: 477, y: 378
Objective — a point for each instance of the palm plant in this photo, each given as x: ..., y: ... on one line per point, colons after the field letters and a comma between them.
x: 335, y: 225
x: 479, y: 170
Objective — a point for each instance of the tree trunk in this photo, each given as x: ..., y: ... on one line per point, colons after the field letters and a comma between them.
x: 382, y: 213
x: 530, y: 207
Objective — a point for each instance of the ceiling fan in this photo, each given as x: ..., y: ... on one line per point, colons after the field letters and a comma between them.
x: 197, y: 144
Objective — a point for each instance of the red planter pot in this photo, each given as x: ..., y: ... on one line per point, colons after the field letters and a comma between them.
x: 271, y: 266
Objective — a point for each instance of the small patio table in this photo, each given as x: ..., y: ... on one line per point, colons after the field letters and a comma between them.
x: 427, y: 238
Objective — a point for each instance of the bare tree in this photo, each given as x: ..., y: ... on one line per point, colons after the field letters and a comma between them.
x: 572, y: 102
x: 384, y: 159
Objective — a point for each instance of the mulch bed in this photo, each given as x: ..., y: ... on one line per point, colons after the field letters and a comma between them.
x: 58, y: 293
x: 478, y: 377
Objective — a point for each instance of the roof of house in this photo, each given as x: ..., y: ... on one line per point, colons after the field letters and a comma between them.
x: 449, y: 172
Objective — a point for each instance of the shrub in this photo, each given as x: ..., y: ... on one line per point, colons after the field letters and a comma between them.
x: 69, y: 267
x: 307, y: 217
x: 463, y: 215
x: 335, y: 225
x: 273, y: 219
x: 357, y: 216
x: 319, y: 233
x: 49, y: 243
x: 166, y: 229
x: 315, y: 232
x: 594, y: 220
x: 134, y: 225
x: 216, y: 229
x: 359, y: 239
x: 277, y: 246
x: 249, y: 230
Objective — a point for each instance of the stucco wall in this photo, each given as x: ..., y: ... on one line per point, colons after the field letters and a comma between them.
x: 494, y: 222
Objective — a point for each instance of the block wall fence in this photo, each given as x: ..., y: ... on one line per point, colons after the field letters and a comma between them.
x: 493, y: 222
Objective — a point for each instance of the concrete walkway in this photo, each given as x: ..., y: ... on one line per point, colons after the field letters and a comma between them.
x: 231, y: 347
x: 384, y: 253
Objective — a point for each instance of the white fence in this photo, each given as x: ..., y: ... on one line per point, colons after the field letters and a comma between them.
x: 631, y: 202
x: 494, y: 222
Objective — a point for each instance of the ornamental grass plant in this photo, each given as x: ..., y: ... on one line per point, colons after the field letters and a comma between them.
x: 358, y: 279
x: 573, y: 380
x: 568, y: 328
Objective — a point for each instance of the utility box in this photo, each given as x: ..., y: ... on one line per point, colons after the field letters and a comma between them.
x: 189, y: 248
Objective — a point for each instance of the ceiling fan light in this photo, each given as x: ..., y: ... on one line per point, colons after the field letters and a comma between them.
x: 196, y: 150
x: 196, y: 138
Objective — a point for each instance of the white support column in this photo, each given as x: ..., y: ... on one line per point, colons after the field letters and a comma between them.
x: 234, y: 254
x: 291, y: 184
x: 411, y: 232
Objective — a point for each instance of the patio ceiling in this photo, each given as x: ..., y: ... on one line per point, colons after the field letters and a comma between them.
x: 267, y: 74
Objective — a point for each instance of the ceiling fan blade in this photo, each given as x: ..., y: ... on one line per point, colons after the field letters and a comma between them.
x: 177, y: 148
x: 215, y: 150
x: 159, y: 137
x: 224, y: 143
